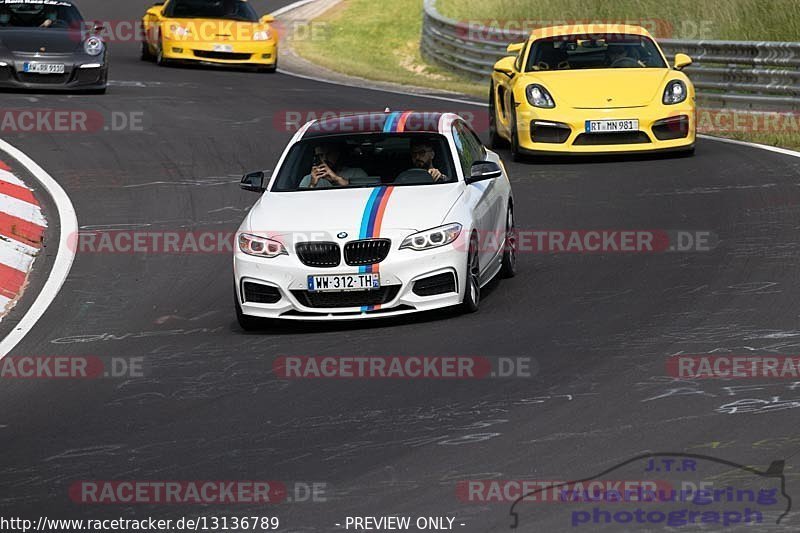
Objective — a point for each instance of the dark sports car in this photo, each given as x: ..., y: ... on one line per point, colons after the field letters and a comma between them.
x: 46, y: 44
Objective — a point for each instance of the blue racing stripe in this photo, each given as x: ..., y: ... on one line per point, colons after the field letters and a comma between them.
x: 391, y: 122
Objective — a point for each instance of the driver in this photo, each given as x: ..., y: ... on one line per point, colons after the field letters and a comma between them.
x: 326, y: 170
x: 52, y: 16
x: 422, y: 155
x: 618, y: 55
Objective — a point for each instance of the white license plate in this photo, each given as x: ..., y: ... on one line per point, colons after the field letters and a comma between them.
x: 611, y: 126
x: 44, y: 68
x: 223, y: 48
x: 344, y: 282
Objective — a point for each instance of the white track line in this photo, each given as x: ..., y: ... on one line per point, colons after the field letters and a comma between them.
x: 784, y: 151
x: 68, y: 223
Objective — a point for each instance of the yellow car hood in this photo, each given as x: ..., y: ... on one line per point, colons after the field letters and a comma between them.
x: 216, y: 30
x: 602, y: 88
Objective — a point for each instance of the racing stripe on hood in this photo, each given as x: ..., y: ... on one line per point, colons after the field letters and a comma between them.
x: 371, y: 223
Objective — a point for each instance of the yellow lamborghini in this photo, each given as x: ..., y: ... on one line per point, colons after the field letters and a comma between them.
x: 591, y: 89
x: 223, y: 32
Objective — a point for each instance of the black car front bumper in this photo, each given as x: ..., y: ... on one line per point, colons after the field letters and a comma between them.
x: 85, y: 74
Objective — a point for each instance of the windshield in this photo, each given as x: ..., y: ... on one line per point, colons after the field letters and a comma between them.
x: 574, y: 52
x: 32, y: 14
x: 366, y: 160
x: 211, y: 9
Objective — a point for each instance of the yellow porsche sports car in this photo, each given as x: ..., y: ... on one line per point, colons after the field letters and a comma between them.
x: 604, y: 89
x: 222, y: 32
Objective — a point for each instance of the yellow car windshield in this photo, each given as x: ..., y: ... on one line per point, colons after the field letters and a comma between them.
x: 572, y: 52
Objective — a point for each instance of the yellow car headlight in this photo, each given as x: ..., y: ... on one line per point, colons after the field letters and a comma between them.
x: 263, y: 35
x: 179, y: 31
x: 539, y: 97
x: 675, y: 93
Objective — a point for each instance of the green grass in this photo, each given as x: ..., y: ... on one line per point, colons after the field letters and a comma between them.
x: 746, y: 20
x: 380, y: 40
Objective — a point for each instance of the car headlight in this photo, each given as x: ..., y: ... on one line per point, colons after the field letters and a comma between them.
x: 675, y: 93
x: 432, y: 238
x: 539, y: 97
x: 261, y: 36
x: 179, y: 31
x: 260, y: 246
x: 93, y: 46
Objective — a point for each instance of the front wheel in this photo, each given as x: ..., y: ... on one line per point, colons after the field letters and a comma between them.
x: 509, y: 262
x: 246, y: 322
x: 146, y: 54
x: 495, y: 140
x: 472, y: 292
x: 516, y: 155
x: 160, y: 59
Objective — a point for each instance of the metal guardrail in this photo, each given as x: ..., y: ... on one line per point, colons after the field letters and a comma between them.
x: 762, y: 76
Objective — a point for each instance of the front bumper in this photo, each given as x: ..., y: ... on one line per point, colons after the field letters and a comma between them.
x: 262, y: 53
x: 85, y: 73
x: 661, y: 128
x: 399, y: 272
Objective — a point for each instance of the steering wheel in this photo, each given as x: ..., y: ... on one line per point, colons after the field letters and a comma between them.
x: 623, y: 62
x: 414, y: 176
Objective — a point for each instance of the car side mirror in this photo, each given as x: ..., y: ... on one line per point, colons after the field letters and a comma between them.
x: 253, y: 182
x: 267, y: 19
x: 506, y: 66
x: 484, y: 170
x: 682, y: 61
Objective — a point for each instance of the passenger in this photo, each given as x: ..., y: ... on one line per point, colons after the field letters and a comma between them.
x: 326, y: 170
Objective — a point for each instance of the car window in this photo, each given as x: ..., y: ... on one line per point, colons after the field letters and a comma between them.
x: 472, y: 149
x: 466, y: 156
x: 572, y: 52
x: 365, y: 160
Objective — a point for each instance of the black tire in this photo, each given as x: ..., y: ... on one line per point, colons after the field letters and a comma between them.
x: 160, y: 60
x: 472, y: 292
x: 146, y: 54
x: 495, y: 140
x: 246, y: 322
x: 269, y: 70
x: 516, y: 155
x: 509, y: 261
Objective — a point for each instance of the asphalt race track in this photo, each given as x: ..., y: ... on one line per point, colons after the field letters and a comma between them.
x: 599, y: 326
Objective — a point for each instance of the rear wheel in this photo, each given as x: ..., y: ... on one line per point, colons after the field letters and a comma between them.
x: 472, y: 292
x: 509, y: 262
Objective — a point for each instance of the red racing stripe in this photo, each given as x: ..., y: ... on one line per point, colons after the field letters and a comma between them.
x: 11, y: 281
x: 21, y: 230
x: 18, y: 192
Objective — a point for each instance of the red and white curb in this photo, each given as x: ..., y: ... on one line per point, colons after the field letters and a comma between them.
x: 22, y: 227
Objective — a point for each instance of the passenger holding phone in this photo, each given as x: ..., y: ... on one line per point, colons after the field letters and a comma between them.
x: 325, y: 169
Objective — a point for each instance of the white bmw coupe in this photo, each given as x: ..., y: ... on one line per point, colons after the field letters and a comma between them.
x: 374, y: 215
